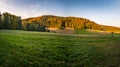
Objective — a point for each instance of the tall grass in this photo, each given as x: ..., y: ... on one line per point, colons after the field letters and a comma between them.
x: 39, y: 49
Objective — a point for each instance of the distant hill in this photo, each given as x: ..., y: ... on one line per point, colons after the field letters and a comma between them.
x: 59, y: 22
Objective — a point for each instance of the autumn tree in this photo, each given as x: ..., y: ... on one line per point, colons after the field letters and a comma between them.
x: 51, y: 21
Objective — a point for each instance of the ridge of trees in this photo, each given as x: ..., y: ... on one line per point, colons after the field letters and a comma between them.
x: 51, y: 21
x: 10, y: 21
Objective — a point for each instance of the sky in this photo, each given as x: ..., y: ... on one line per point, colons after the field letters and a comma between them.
x: 105, y: 12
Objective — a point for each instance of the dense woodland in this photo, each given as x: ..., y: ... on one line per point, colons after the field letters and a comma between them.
x: 51, y: 21
x: 9, y: 21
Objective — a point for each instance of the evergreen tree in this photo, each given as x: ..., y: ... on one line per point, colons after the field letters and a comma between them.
x: 6, y: 23
x: 11, y: 21
x: 0, y: 21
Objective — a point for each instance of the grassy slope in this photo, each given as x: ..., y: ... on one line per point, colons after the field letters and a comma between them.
x: 22, y: 49
x: 82, y: 32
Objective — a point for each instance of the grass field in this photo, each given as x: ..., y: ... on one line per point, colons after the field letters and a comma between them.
x: 42, y: 49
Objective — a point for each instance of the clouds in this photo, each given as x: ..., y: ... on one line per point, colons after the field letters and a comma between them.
x: 30, y: 8
x: 101, y: 11
x: 5, y: 7
x: 47, y: 7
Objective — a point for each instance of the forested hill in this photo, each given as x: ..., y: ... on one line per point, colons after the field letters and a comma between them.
x: 51, y: 21
x: 10, y: 21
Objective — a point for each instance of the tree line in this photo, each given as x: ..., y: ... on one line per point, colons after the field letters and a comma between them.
x: 78, y: 23
x: 51, y: 21
x: 10, y: 21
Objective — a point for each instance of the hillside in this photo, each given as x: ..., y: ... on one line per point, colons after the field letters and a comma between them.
x: 51, y: 21
x: 45, y: 22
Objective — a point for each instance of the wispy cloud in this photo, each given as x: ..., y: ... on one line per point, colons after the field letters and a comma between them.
x: 108, y: 14
x: 5, y: 7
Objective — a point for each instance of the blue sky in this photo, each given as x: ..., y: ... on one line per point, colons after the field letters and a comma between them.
x: 106, y: 12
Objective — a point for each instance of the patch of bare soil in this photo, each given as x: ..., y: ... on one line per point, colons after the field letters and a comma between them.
x: 65, y: 30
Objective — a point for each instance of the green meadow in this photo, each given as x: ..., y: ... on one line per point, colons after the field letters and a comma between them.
x: 42, y: 49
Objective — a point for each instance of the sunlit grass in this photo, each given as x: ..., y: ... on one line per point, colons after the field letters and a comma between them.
x: 36, y: 49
